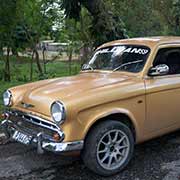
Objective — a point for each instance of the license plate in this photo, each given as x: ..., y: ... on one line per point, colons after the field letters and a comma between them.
x: 22, y: 138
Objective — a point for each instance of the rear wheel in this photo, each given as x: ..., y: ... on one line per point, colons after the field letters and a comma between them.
x: 108, y: 148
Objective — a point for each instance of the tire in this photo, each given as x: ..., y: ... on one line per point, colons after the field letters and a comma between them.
x: 108, y: 148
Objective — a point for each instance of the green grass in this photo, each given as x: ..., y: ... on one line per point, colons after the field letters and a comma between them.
x: 20, y: 72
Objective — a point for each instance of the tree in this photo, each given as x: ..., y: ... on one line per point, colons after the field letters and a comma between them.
x: 8, y: 18
x: 24, y: 24
x: 141, y: 17
x: 105, y: 26
x: 40, y: 17
x: 176, y: 13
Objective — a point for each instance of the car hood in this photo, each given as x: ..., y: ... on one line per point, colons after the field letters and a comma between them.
x: 43, y: 93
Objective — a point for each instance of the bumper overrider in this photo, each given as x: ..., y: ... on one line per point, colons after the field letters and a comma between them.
x: 38, y: 132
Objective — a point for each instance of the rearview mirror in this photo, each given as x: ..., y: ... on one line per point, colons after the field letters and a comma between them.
x: 159, y: 70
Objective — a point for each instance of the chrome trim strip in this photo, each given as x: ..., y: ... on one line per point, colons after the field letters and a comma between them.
x: 4, y: 126
x: 63, y: 147
x: 39, y: 143
x: 44, y: 144
x: 52, y: 126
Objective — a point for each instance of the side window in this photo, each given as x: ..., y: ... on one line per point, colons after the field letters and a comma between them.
x: 170, y: 57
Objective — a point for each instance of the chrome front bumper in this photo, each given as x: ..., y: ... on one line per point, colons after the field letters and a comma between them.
x: 40, y: 139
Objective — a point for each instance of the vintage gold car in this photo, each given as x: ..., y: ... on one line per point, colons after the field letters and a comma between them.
x: 127, y: 93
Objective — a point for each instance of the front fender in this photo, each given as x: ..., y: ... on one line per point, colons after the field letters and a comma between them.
x: 81, y: 122
x: 88, y: 118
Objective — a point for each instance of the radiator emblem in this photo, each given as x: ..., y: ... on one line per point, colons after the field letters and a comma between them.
x: 26, y: 106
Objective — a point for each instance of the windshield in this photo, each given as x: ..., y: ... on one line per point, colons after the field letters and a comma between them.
x: 130, y: 58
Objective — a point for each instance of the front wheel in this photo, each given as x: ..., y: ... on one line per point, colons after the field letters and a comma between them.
x: 108, y: 148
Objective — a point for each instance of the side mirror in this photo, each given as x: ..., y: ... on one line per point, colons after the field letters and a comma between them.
x: 86, y: 67
x: 159, y: 70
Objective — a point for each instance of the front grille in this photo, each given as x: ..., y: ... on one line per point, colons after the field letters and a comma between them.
x: 33, y: 125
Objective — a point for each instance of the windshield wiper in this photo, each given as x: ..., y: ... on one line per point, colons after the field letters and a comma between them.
x: 125, y: 64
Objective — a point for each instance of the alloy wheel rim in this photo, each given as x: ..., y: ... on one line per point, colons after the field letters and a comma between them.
x: 113, y: 149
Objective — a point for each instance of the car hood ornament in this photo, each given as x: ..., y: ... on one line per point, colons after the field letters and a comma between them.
x: 26, y: 106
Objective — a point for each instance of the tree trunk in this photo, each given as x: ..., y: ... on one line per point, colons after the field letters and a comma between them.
x: 70, y: 60
x: 44, y: 60
x: 1, y: 50
x: 15, y: 52
x: 93, y: 6
x: 7, y: 76
x: 31, y: 67
x: 177, y: 23
x: 38, y: 62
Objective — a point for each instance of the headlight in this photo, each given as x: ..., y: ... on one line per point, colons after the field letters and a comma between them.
x: 7, y: 98
x: 58, y: 112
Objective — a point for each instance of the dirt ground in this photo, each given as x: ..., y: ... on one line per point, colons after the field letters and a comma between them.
x: 153, y: 160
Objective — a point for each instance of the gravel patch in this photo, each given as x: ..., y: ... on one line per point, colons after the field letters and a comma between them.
x: 158, y: 159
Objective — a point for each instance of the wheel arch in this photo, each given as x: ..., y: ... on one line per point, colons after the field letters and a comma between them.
x: 122, y: 117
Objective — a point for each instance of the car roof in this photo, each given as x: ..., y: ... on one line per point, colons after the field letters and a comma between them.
x: 145, y: 41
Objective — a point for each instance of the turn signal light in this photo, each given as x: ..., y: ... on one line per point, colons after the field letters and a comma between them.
x: 4, y: 116
x: 56, y: 137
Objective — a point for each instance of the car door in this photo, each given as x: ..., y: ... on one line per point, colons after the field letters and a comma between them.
x: 163, y: 94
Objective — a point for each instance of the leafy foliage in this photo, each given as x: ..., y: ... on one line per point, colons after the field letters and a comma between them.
x: 103, y: 25
x: 7, y: 21
x: 88, y: 23
x: 176, y: 13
